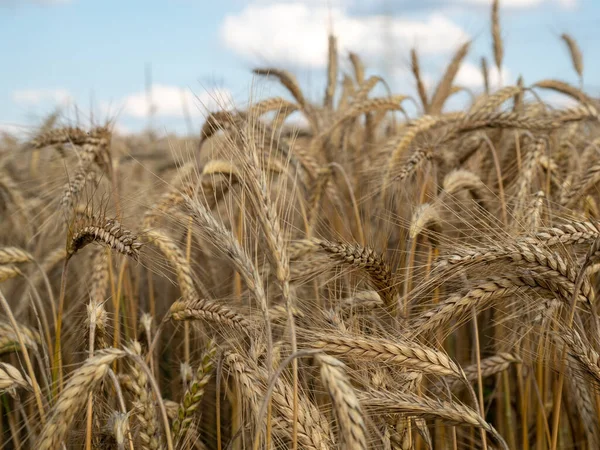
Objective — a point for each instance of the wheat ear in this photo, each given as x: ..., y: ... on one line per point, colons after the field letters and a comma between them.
x: 74, y: 396
x: 14, y: 255
x: 416, y: 70
x: 144, y: 407
x: 193, y: 395
x: 108, y: 232
x: 353, y: 430
x: 11, y: 379
x: 409, y: 355
x: 496, y: 36
x: 203, y: 309
x: 575, y: 52
x: 412, y: 404
x: 443, y: 89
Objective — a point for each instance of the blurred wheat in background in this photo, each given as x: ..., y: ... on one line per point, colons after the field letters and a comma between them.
x: 372, y: 280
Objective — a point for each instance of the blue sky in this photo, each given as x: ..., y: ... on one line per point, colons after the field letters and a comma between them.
x: 92, y: 55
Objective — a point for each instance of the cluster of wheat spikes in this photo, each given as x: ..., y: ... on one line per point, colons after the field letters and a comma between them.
x: 371, y: 282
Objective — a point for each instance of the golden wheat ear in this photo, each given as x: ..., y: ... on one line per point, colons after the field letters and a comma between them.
x: 353, y: 430
x: 426, y: 407
x: 74, y: 396
x: 192, y: 397
x: 498, y: 47
x: 332, y: 70
x: 486, y: 75
x: 108, y: 232
x: 444, y: 87
x: 11, y: 379
x: 576, y: 55
x: 289, y: 81
x: 416, y: 70
x: 564, y: 88
x: 202, y: 309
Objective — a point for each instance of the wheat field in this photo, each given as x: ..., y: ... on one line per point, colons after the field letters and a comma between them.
x: 373, y: 280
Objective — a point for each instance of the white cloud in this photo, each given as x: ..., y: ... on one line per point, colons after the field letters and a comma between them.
x: 430, y: 5
x: 504, y: 3
x: 34, y: 97
x: 517, y: 4
x: 311, y: 3
x: 13, y: 3
x: 470, y: 75
x: 296, y: 33
x: 557, y: 100
x: 14, y: 130
x: 169, y: 101
x: 567, y: 4
x: 123, y: 130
